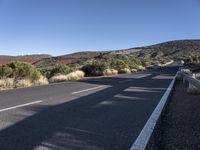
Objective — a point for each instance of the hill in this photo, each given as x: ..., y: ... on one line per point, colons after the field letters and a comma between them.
x: 26, y: 58
x: 67, y: 59
x: 180, y: 49
x: 188, y: 50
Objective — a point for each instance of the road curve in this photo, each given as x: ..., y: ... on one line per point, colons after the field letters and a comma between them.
x: 94, y: 114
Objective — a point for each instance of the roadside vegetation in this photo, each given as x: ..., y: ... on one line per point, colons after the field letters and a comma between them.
x: 78, y: 65
x: 21, y: 74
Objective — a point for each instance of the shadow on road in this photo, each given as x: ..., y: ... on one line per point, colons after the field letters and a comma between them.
x: 108, y: 119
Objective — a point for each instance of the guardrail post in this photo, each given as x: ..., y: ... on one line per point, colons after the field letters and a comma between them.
x: 184, y: 81
x: 193, y: 89
x: 194, y: 75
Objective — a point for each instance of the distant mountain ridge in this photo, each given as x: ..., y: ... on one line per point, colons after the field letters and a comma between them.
x: 4, y: 59
x: 67, y: 59
x: 179, y: 49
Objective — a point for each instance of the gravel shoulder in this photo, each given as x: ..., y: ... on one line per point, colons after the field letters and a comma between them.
x: 179, y: 127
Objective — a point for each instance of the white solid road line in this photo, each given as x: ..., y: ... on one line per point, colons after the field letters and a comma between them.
x: 94, y: 88
x: 22, y: 105
x: 144, y: 136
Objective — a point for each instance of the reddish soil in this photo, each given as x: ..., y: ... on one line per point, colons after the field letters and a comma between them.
x: 27, y: 58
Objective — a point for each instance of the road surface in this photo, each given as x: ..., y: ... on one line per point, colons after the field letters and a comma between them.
x: 94, y: 114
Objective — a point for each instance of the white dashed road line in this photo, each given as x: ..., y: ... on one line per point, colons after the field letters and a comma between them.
x: 22, y: 105
x: 86, y: 90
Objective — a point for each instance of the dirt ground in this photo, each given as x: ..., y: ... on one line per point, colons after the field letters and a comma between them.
x: 179, y: 127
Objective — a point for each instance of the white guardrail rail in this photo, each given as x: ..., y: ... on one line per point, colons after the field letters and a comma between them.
x: 188, y: 77
x: 191, y: 80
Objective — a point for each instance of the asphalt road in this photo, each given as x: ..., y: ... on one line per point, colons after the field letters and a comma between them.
x: 98, y: 113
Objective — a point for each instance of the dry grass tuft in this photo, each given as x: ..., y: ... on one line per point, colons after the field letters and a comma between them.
x: 23, y: 83
x: 80, y: 74
x: 72, y: 76
x: 108, y: 72
x: 141, y: 68
x: 76, y: 75
x: 133, y: 70
x: 125, y: 70
x: 6, y: 83
x: 11, y: 83
x: 42, y: 81
x: 58, y: 78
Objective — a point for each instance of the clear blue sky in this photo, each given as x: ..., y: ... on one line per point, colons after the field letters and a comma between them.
x: 64, y: 26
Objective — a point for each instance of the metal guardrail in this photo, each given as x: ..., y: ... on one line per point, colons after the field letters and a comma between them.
x: 191, y: 80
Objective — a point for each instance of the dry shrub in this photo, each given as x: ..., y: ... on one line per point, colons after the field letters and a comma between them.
x: 133, y: 70
x: 58, y: 78
x: 11, y: 83
x: 141, y: 68
x: 125, y: 70
x: 6, y: 83
x: 2, y: 83
x: 80, y: 74
x: 23, y: 83
x: 42, y: 81
x: 71, y: 76
x: 76, y: 75
x: 108, y: 72
x: 114, y: 71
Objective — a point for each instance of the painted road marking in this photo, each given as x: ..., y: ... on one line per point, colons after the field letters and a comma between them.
x: 22, y: 105
x: 139, y: 76
x: 125, y: 81
x: 144, y: 136
x: 86, y: 90
x: 163, y: 77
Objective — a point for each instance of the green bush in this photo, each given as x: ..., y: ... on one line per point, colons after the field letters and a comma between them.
x: 146, y: 62
x: 98, y: 67
x: 74, y: 67
x: 118, y: 64
x: 61, y: 69
x: 95, y: 68
x: 133, y: 63
x: 21, y: 70
x: 34, y: 75
x: 165, y: 60
x: 46, y: 72
x: 5, y: 71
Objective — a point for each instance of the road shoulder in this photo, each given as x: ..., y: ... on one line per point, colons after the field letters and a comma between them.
x: 179, y: 126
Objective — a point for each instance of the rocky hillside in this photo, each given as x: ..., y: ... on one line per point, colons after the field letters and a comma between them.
x: 188, y: 50
x: 182, y: 49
